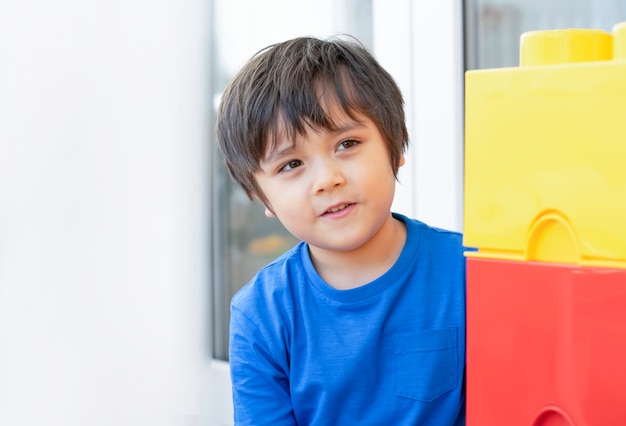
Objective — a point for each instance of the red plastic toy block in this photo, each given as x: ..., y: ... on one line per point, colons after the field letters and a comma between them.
x: 546, y: 344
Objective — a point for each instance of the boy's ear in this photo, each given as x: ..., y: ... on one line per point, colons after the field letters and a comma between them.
x: 401, y: 161
x: 268, y: 209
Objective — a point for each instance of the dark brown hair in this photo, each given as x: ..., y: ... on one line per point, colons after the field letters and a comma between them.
x: 277, y: 93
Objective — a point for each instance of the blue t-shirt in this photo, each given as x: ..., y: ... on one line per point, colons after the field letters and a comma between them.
x: 391, y: 352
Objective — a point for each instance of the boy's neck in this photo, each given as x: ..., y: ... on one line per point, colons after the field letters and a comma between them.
x: 352, y: 269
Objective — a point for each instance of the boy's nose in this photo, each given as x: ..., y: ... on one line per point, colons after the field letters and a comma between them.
x: 328, y: 175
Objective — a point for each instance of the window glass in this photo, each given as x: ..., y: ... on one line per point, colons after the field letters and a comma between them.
x: 243, y: 239
x: 493, y: 27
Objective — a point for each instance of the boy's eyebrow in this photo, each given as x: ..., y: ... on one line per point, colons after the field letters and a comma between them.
x: 274, y: 155
x: 346, y: 126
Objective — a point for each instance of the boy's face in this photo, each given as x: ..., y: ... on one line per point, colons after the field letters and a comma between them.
x: 331, y: 189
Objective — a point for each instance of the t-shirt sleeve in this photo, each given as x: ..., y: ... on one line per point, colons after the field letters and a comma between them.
x: 259, y: 376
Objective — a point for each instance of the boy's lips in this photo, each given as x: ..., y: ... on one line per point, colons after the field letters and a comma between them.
x: 336, y: 208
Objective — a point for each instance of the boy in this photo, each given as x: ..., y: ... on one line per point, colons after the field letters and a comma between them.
x: 363, y: 322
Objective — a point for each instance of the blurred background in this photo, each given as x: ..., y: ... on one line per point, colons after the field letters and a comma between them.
x: 122, y: 239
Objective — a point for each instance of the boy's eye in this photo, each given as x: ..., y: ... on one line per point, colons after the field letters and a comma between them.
x: 290, y: 165
x: 348, y: 143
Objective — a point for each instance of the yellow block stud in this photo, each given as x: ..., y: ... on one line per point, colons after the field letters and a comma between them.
x: 565, y: 46
x: 619, y: 44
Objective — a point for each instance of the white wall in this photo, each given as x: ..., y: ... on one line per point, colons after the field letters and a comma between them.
x: 421, y: 44
x: 437, y: 55
x: 103, y: 212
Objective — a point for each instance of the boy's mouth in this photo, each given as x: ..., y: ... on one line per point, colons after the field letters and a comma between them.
x: 337, y: 208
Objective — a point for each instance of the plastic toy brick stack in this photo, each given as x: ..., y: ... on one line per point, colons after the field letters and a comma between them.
x: 545, y: 204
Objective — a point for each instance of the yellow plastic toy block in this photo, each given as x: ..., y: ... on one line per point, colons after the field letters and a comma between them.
x: 545, y: 151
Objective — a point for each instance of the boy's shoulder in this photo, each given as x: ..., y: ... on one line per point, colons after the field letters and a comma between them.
x: 273, y: 280
x: 418, y: 229
x: 436, y: 244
